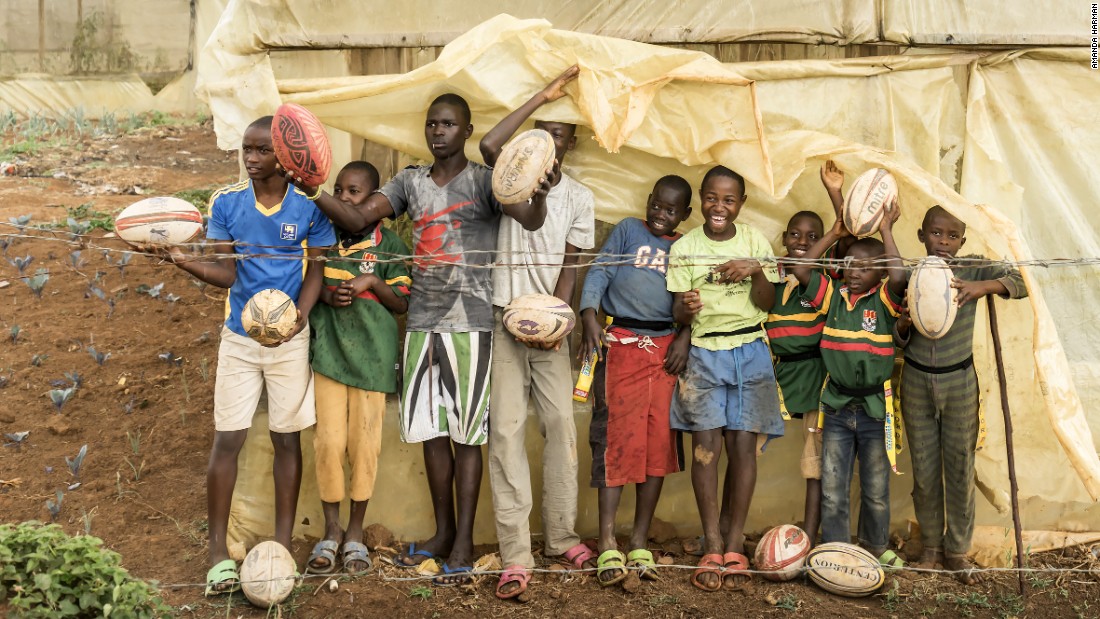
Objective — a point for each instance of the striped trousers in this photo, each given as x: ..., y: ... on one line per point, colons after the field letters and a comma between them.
x: 941, y: 420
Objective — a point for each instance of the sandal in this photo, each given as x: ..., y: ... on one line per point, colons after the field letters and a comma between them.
x: 222, y: 574
x: 890, y: 561
x: 736, y: 574
x: 326, y: 550
x: 641, y: 560
x: 709, y: 564
x: 579, y: 555
x: 356, y: 551
x: 412, y: 553
x: 514, y: 574
x: 611, y: 561
x: 453, y: 576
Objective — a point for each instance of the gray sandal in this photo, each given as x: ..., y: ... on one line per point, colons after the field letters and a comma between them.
x: 355, y: 551
x: 324, y: 549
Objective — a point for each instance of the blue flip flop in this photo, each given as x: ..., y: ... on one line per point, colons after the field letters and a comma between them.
x: 463, y: 576
x: 399, y: 561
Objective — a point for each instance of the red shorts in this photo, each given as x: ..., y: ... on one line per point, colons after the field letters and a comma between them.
x: 632, y: 395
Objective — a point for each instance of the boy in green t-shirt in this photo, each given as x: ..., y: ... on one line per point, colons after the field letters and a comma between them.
x: 727, y: 395
x: 354, y: 357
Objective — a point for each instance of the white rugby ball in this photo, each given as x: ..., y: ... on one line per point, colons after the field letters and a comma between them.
x: 782, y: 552
x: 844, y: 569
x: 159, y: 221
x: 867, y: 201
x: 269, y: 316
x: 267, y: 574
x: 933, y: 303
x: 539, y: 317
x: 522, y: 162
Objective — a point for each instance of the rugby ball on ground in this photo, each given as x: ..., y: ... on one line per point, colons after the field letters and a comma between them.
x: 539, y: 318
x: 522, y: 162
x: 159, y: 221
x: 932, y: 301
x: 844, y: 569
x: 867, y: 201
x: 267, y: 574
x: 782, y: 552
x: 301, y: 144
x: 269, y: 316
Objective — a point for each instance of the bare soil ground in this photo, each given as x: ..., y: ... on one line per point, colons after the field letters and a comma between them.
x: 145, y: 415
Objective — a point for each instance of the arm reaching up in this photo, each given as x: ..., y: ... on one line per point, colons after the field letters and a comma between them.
x: 801, y: 270
x: 494, y: 141
x: 894, y: 266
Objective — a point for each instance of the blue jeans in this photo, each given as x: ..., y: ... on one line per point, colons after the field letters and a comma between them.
x: 849, y: 433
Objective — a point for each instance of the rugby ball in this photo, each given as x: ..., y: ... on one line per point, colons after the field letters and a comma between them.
x: 539, y: 318
x: 522, y: 162
x: 267, y: 574
x: 301, y: 144
x: 867, y: 201
x: 844, y: 569
x: 159, y: 221
x: 782, y: 552
x: 933, y: 303
x: 269, y: 316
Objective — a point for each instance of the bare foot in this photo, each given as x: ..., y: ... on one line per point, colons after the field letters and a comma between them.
x: 930, y: 559
x: 965, y: 570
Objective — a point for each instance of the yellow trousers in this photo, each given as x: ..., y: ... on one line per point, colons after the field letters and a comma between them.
x: 349, y: 427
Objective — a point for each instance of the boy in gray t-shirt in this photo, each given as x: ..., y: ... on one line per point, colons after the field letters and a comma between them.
x: 448, y: 340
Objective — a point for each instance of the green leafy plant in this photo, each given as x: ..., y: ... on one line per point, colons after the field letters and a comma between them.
x: 420, y: 591
x: 46, y: 573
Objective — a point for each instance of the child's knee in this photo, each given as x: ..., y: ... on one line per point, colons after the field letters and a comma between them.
x: 286, y: 441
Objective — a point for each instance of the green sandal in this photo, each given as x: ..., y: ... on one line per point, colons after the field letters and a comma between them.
x: 890, y: 561
x: 641, y: 560
x: 611, y: 561
x: 222, y: 574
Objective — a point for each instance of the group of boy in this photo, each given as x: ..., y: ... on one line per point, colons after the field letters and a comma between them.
x: 684, y: 348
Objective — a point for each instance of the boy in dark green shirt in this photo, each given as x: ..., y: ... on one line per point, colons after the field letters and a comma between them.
x: 857, y: 347
x: 354, y: 358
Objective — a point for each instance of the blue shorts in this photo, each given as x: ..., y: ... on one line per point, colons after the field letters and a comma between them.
x: 728, y: 389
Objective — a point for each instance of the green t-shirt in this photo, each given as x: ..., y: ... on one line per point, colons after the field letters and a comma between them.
x: 357, y: 345
x: 726, y: 307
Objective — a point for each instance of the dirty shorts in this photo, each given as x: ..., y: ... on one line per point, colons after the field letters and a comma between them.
x: 728, y: 389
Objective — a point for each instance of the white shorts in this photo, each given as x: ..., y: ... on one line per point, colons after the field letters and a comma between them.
x: 245, y: 367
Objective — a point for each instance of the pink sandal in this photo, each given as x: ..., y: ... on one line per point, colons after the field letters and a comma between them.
x: 579, y: 555
x: 517, y: 574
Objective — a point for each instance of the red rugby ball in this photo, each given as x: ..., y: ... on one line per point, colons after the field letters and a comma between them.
x: 301, y: 144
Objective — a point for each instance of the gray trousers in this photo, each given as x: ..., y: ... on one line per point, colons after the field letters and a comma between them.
x: 941, y: 420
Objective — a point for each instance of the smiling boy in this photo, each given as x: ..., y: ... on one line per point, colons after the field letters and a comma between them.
x: 727, y: 395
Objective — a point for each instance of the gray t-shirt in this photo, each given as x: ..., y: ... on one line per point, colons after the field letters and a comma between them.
x: 530, y: 261
x: 454, y: 236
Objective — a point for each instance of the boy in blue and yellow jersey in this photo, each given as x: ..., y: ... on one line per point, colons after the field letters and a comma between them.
x: 939, y: 391
x: 264, y: 216
x: 354, y: 356
x: 857, y: 348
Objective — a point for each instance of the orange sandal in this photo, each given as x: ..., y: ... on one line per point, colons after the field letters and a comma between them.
x: 709, y: 564
x: 735, y: 575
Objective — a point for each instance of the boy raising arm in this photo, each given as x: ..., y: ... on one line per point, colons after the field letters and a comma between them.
x: 858, y: 350
x: 448, y: 340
